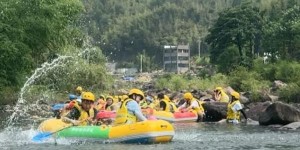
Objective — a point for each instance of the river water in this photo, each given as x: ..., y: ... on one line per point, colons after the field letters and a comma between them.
x: 187, y: 136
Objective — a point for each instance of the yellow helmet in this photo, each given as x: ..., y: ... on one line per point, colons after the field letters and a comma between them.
x: 188, y: 96
x: 109, y: 97
x: 219, y: 89
x: 136, y: 91
x: 167, y: 98
x: 124, y: 97
x: 88, y: 96
x: 235, y: 94
x: 79, y: 88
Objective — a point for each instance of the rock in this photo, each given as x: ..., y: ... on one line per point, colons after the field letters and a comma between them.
x: 279, y: 113
x: 244, y: 99
x: 206, y: 98
x: 291, y: 126
x: 214, y: 111
x: 252, y: 122
x: 261, y: 96
x: 255, y: 109
x: 277, y: 84
x: 228, y: 90
x: 277, y: 126
x: 273, y: 97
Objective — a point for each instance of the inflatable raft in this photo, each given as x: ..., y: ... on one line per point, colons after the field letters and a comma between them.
x: 152, y: 131
x: 188, y: 116
x: 103, y: 114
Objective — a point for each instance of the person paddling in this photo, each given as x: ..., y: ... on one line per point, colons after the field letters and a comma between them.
x: 83, y: 113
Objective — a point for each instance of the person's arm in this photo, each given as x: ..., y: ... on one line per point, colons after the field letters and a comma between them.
x: 218, y: 96
x: 237, y: 107
x: 134, y: 107
x: 72, y: 117
x: 244, y: 114
x: 193, y: 105
x: 182, y: 106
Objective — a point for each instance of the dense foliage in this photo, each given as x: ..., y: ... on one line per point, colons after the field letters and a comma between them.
x: 237, y: 33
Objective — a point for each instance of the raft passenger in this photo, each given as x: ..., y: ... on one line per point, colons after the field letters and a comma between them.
x: 130, y: 111
x: 83, y: 113
x: 192, y: 104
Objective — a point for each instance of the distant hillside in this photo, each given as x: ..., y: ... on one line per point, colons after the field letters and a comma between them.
x: 123, y: 29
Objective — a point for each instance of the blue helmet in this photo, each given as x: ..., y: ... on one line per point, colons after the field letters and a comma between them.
x: 148, y: 98
x: 72, y: 96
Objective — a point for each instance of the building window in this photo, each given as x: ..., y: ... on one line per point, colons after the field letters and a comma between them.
x: 183, y: 65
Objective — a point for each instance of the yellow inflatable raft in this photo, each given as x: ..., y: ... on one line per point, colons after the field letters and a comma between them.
x: 151, y: 131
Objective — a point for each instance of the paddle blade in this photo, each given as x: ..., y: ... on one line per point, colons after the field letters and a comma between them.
x: 41, y: 136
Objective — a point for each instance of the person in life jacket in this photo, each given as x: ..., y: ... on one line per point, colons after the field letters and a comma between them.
x: 60, y: 108
x: 69, y: 105
x: 78, y: 93
x: 149, y: 101
x: 173, y: 107
x: 234, y: 108
x: 121, y: 99
x: 110, y: 106
x: 130, y: 111
x: 100, y: 104
x: 83, y: 113
x: 220, y: 95
x: 192, y: 104
x: 163, y: 102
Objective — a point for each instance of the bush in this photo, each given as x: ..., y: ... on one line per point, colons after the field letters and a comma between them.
x: 212, y: 82
x: 291, y: 93
x: 287, y: 71
x: 242, y: 79
x: 183, y: 82
x: 172, y: 81
x: 282, y: 70
x: 8, y: 95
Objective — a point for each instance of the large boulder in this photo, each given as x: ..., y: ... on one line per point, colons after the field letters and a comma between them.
x: 291, y: 126
x: 253, y: 110
x: 279, y: 113
x: 214, y: 111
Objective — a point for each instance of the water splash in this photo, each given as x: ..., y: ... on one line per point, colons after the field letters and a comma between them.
x: 58, y: 62
x: 21, y: 111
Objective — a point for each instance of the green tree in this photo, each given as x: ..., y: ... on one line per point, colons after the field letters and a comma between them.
x: 239, y: 26
x: 32, y: 32
x: 281, y: 36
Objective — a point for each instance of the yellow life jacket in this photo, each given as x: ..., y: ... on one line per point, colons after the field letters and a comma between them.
x: 84, y: 115
x: 198, y: 109
x: 173, y: 107
x: 167, y: 105
x: 143, y: 104
x: 123, y: 116
x: 109, y: 108
x: 100, y: 105
x: 231, y: 115
x: 151, y: 105
x: 224, y: 97
x: 156, y: 101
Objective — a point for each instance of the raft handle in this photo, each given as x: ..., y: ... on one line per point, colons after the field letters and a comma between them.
x: 163, y: 126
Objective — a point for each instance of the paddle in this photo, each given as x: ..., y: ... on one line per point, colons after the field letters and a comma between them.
x: 44, y: 135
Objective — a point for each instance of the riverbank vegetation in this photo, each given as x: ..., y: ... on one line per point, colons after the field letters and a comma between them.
x: 245, y: 44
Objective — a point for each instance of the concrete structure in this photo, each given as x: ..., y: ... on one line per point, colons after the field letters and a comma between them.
x: 177, y: 58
